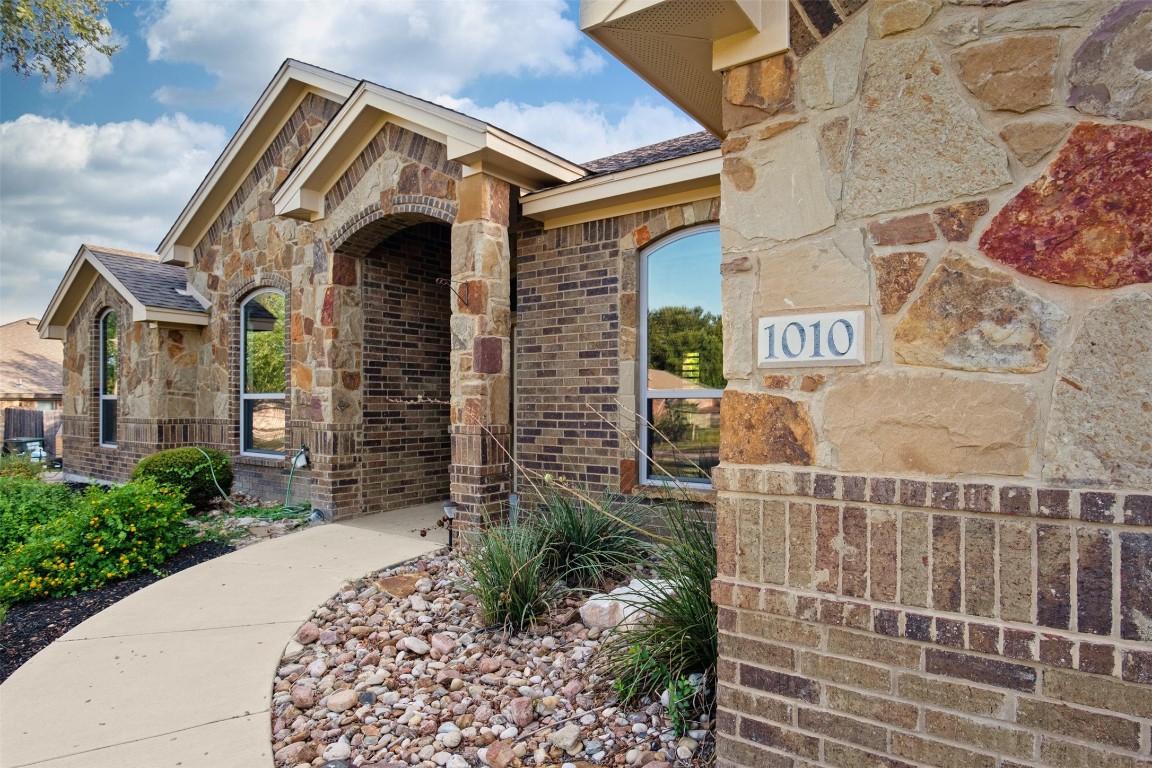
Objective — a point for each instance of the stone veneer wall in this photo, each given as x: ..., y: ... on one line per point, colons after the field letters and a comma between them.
x: 577, y: 315
x: 942, y: 557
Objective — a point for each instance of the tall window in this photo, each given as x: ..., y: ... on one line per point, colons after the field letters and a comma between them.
x: 681, y: 339
x: 262, y: 350
x: 109, y: 366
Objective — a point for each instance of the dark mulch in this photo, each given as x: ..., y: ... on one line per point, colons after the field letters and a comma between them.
x: 29, y: 627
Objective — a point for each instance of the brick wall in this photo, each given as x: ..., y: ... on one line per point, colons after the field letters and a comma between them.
x: 577, y: 314
x: 942, y: 623
x: 405, y: 445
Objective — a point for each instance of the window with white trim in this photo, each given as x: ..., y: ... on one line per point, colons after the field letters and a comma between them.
x: 682, y: 354
x: 109, y: 367
x: 263, y: 348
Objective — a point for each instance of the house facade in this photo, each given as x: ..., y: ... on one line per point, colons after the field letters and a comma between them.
x: 927, y: 225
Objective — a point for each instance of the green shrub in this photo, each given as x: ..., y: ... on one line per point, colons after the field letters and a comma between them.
x: 105, y: 534
x: 26, y: 503
x: 678, y: 636
x: 506, y: 565
x: 19, y: 465
x: 590, y: 542
x: 189, y: 470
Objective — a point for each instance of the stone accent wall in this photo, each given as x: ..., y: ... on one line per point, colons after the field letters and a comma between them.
x: 961, y: 575
x: 577, y: 315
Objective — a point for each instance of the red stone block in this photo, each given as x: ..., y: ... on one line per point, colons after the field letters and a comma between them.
x: 1085, y: 221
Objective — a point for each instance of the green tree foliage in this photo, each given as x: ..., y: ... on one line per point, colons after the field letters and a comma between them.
x: 54, y: 37
x: 676, y: 332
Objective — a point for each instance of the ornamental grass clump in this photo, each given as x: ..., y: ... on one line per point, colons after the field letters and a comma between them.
x: 104, y: 534
x: 506, y: 565
x: 676, y: 638
x: 590, y: 542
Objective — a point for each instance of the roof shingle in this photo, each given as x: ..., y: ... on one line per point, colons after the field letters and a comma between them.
x: 29, y: 365
x: 152, y: 284
x: 683, y: 146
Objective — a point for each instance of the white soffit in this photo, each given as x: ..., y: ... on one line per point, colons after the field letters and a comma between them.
x: 477, y: 146
x: 680, y: 46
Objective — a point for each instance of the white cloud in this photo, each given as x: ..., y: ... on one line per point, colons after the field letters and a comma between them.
x: 63, y: 184
x: 424, y: 47
x: 581, y: 130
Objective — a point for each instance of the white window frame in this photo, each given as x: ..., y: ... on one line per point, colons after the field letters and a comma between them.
x: 104, y: 396
x: 646, y: 395
x: 246, y: 397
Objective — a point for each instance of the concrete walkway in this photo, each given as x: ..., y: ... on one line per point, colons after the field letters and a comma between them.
x: 180, y: 673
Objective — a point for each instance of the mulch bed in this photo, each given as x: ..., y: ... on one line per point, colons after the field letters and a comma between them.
x: 30, y: 627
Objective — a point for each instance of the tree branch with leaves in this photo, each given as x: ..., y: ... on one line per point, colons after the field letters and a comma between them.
x: 54, y: 38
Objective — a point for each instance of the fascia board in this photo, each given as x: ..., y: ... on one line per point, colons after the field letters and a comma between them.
x: 174, y: 317
x: 699, y: 171
x: 139, y: 311
x: 288, y: 88
x: 77, y: 280
x: 468, y: 141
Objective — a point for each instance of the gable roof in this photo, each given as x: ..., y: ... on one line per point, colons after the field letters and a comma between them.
x: 30, y: 367
x: 478, y: 145
x: 156, y: 292
x: 293, y: 82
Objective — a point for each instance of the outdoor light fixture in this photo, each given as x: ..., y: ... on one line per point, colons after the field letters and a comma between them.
x: 450, y: 513
x: 513, y: 506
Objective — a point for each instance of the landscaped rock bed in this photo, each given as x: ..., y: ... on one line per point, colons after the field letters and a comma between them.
x: 396, y: 670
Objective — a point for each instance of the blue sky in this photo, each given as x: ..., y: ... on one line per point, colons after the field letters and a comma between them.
x: 113, y: 159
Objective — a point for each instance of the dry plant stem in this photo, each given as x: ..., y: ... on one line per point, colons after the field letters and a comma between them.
x: 634, y: 444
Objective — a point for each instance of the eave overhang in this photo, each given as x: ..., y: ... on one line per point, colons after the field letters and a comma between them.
x: 671, y: 182
x: 292, y: 83
x: 476, y: 145
x: 680, y: 47
x: 78, y: 280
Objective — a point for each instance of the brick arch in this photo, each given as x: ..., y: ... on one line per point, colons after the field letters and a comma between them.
x: 363, y: 232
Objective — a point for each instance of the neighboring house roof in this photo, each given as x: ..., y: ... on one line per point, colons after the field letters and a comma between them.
x: 30, y: 367
x: 655, y: 153
x: 156, y: 292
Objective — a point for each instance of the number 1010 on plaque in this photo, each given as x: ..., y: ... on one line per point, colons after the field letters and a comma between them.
x: 828, y: 338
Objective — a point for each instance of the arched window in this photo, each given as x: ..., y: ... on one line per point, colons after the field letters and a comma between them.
x: 109, y: 366
x: 682, y: 348
x: 262, y: 373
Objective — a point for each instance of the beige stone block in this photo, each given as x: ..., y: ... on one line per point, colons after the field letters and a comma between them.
x: 1031, y: 140
x: 975, y: 319
x: 808, y: 276
x: 935, y: 424
x: 916, y: 140
x: 1100, y: 426
x: 830, y: 75
x: 1015, y: 73
x: 786, y: 199
x: 890, y: 17
x: 738, y: 290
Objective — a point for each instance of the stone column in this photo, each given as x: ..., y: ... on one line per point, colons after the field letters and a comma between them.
x: 327, y: 365
x: 481, y: 347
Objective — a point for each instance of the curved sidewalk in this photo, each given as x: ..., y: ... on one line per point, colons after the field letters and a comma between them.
x: 180, y: 673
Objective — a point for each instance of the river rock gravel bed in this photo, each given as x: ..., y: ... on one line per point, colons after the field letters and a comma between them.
x: 397, y: 670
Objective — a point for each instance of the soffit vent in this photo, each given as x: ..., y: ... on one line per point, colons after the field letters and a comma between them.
x: 669, y: 43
